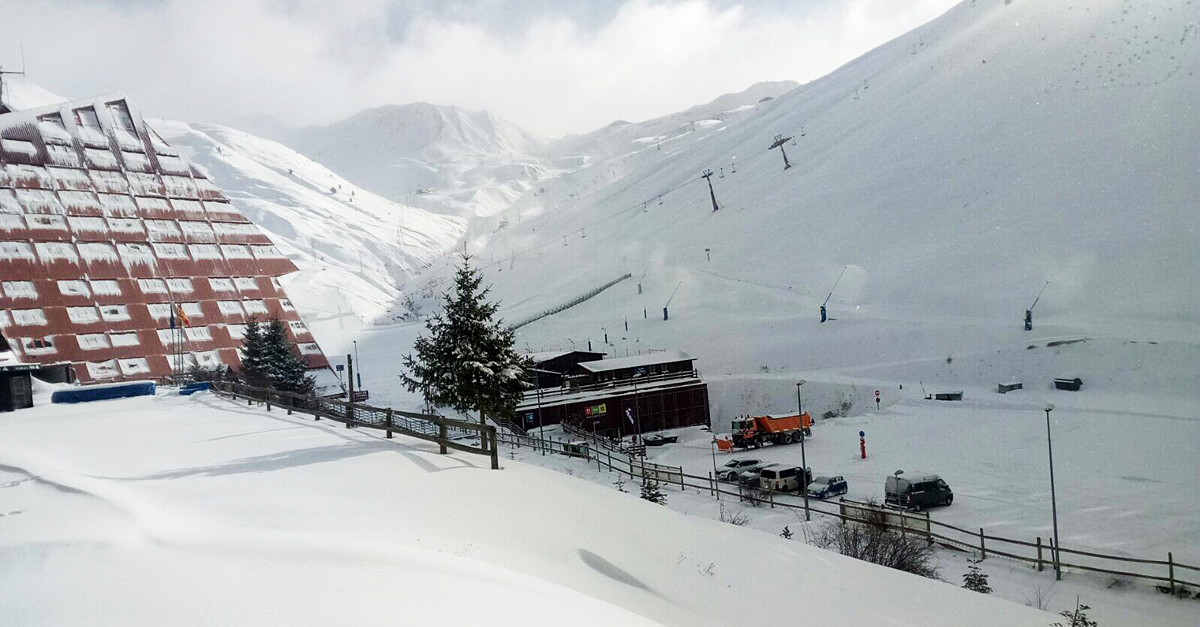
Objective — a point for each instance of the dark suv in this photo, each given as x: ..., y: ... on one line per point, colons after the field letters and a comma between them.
x: 917, y: 491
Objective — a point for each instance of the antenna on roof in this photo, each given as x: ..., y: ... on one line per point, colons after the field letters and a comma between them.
x: 4, y: 108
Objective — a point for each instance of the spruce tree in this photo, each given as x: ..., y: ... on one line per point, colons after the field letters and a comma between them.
x: 467, y: 360
x: 268, y: 359
x: 975, y: 579
x: 256, y: 370
x: 650, y: 492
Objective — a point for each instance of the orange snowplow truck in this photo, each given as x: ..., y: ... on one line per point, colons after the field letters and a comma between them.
x: 776, y: 428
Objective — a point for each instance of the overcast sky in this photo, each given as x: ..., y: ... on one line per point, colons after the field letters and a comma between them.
x: 553, y: 66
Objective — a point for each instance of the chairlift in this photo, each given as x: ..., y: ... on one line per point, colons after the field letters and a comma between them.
x: 644, y: 210
x: 564, y: 240
x: 582, y: 235
x: 733, y: 166
x: 721, y: 173
x: 660, y: 200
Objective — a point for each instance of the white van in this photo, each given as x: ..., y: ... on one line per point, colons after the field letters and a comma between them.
x: 783, y: 479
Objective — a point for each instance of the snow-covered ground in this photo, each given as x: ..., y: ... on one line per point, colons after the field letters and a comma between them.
x: 200, y: 510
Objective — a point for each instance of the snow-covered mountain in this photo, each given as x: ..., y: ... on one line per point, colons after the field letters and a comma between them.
x: 952, y: 172
x: 355, y: 250
x: 445, y: 158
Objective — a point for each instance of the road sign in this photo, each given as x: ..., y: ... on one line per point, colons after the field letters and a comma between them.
x: 862, y: 434
x: 877, y: 393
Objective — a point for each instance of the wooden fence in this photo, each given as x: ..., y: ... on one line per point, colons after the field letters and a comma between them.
x: 437, y: 429
x: 1039, y: 555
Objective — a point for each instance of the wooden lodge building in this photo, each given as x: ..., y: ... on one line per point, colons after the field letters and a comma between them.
x: 615, y: 397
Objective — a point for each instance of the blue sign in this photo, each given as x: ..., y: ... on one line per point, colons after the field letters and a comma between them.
x: 862, y: 434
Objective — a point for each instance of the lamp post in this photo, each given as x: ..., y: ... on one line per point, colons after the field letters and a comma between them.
x: 358, y: 363
x: 803, y: 458
x: 541, y: 426
x: 714, y: 456
x: 1053, y: 498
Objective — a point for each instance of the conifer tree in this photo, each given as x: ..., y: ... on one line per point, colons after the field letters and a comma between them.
x: 256, y: 369
x: 975, y: 579
x: 467, y: 360
x: 268, y: 359
x: 652, y: 493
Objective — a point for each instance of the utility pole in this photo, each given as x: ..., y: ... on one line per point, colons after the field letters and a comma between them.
x: 708, y: 177
x: 3, y: 72
x: 350, y: 382
x: 780, y: 140
x: 359, y: 373
x: 1053, y: 498
x: 803, y: 458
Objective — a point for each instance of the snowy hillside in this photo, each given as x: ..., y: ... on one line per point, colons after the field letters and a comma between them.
x: 440, y: 157
x: 216, y: 513
x: 952, y: 172
x: 354, y: 249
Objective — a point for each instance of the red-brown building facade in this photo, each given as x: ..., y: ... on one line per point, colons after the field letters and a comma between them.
x: 104, y: 229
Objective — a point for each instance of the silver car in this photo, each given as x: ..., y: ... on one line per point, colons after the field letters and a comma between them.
x: 735, y: 467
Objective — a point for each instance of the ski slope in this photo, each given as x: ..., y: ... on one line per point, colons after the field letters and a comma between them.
x: 214, y: 512
x: 953, y: 170
x: 355, y: 250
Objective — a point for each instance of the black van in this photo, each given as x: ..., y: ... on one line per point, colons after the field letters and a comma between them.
x: 916, y: 491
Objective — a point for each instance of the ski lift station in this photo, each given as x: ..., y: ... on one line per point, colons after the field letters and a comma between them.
x: 615, y: 397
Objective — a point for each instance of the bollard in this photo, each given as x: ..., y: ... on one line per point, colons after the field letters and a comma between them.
x: 389, y: 423
x: 491, y: 436
x: 1039, y: 553
x: 442, y: 437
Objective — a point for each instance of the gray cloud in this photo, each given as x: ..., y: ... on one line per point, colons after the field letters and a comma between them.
x: 554, y: 66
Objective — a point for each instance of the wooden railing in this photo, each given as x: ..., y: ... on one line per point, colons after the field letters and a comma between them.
x: 1163, y: 573
x: 431, y: 428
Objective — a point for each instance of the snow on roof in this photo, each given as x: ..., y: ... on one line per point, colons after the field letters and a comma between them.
x: 545, y: 356
x: 606, y: 365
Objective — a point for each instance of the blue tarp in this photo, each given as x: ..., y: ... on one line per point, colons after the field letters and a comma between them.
x: 195, y: 386
x: 105, y: 392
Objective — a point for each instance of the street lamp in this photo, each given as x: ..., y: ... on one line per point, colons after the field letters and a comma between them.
x: 1053, y: 498
x: 714, y: 456
x: 358, y: 372
x: 803, y: 458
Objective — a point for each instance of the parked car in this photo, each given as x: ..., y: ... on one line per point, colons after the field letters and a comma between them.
x: 659, y: 439
x: 750, y: 477
x: 825, y: 487
x: 916, y: 491
x: 783, y: 479
x: 735, y: 467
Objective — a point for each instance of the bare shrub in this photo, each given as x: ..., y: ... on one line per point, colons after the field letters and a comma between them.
x: 1038, y: 598
x: 737, y: 519
x: 874, y: 542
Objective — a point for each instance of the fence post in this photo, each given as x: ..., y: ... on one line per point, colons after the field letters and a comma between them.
x: 389, y: 423
x: 442, y: 437
x: 982, y: 547
x: 1039, y: 550
x: 712, y: 487
x: 491, y: 436
x: 928, y: 529
x: 291, y: 399
x: 771, y: 495
x: 1171, y: 570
